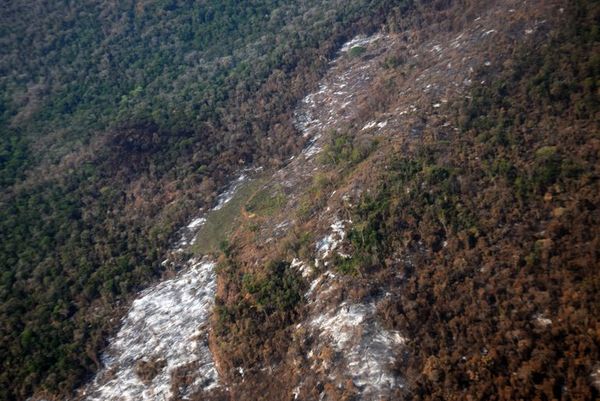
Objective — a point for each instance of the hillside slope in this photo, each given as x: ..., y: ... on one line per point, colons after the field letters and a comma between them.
x: 416, y: 214
x: 439, y: 236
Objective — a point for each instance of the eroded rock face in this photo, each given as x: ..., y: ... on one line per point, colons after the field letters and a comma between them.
x: 161, y: 351
x: 347, y: 342
x: 161, y: 325
x: 364, y: 352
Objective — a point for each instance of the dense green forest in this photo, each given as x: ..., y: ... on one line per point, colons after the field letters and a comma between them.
x: 118, y: 120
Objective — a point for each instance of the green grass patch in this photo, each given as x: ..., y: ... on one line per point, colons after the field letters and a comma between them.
x: 221, y: 223
x: 266, y: 202
x: 357, y: 51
